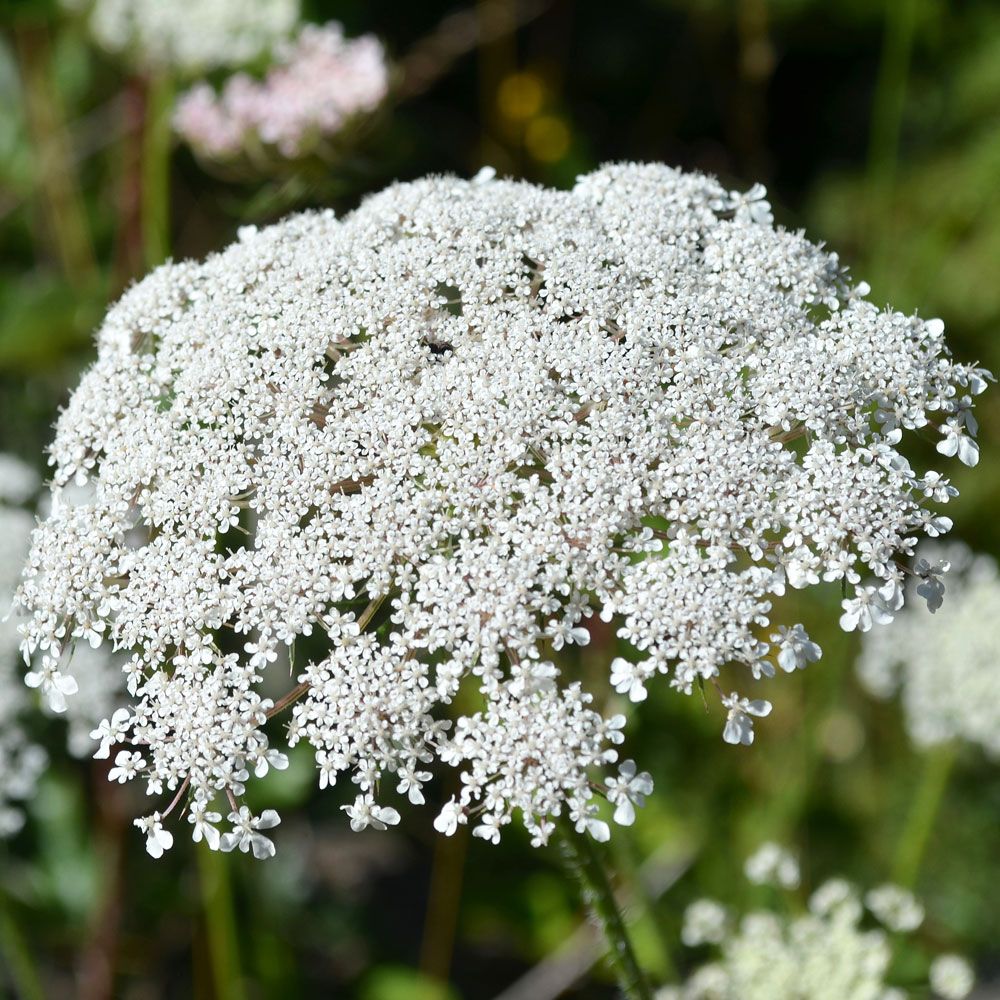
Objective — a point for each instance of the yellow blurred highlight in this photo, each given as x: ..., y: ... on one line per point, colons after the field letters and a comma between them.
x: 520, y: 96
x: 547, y: 138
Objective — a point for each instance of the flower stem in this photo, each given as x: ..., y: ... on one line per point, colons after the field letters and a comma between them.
x: 924, y: 810
x: 155, y: 189
x: 886, y: 124
x: 583, y: 862
x: 443, y: 904
x: 220, y: 924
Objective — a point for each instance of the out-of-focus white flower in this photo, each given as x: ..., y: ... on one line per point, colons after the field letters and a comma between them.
x: 189, y: 36
x: 951, y: 977
x: 835, y: 896
x: 18, y: 484
x: 942, y: 655
x: 826, y: 954
x: 705, y: 922
x: 895, y: 907
x: 772, y: 864
x: 320, y: 82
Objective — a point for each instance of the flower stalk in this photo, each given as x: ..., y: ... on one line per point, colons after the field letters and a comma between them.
x: 155, y: 190
x: 220, y: 924
x: 586, y: 867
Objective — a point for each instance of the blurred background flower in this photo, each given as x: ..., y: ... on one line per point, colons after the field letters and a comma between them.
x: 318, y: 83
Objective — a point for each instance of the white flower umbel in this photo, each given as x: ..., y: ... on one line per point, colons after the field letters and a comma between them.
x: 189, y: 36
x: 942, y: 657
x: 82, y: 698
x: 21, y: 760
x: 483, y: 411
x: 834, y: 951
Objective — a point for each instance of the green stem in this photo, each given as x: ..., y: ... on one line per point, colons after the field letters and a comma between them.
x: 627, y: 857
x: 156, y: 143
x: 585, y: 865
x: 443, y: 905
x: 220, y: 924
x: 886, y: 123
x: 924, y: 809
x: 16, y: 958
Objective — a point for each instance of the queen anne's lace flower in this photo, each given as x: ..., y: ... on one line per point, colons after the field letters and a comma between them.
x: 189, y: 36
x: 318, y: 84
x: 827, y: 953
x: 81, y: 704
x: 482, y: 412
x: 21, y: 760
x: 943, y: 660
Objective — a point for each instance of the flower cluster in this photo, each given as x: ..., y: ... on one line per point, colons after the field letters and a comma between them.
x: 21, y: 760
x: 774, y: 865
x: 189, y: 36
x: 319, y: 82
x: 825, y: 953
x: 943, y: 659
x: 83, y: 698
x: 415, y: 449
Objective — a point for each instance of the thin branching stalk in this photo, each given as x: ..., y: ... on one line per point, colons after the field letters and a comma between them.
x: 583, y: 862
x: 300, y: 689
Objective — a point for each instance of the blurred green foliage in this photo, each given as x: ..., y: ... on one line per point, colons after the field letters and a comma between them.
x: 877, y: 127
